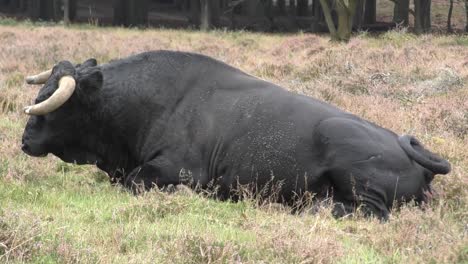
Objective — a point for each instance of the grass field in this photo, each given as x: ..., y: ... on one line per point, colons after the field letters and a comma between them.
x: 52, y: 212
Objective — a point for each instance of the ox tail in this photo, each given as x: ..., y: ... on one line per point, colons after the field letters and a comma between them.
x: 424, y: 157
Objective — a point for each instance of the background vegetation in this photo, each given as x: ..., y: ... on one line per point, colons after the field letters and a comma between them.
x: 336, y: 16
x: 52, y: 212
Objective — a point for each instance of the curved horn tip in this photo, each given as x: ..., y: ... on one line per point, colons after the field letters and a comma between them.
x: 40, y: 78
x: 30, y: 80
x: 27, y: 110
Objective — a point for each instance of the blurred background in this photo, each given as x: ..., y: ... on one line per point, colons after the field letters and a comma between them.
x: 255, y: 15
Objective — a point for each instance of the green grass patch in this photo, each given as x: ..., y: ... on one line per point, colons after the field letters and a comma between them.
x: 456, y: 41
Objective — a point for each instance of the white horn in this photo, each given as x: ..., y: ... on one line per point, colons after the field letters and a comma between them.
x: 58, y: 98
x: 40, y: 78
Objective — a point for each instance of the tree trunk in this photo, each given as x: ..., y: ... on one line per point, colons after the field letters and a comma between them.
x: 291, y: 11
x: 179, y: 4
x: 302, y: 8
x: 48, y: 10
x: 66, y: 12
x: 249, y: 8
x: 205, y: 15
x: 138, y: 12
x: 34, y: 11
x: 282, y: 7
x: 466, y: 15
x: 359, y: 15
x: 268, y: 12
x: 259, y: 14
x: 119, y: 13
x: 422, y: 16
x: 328, y: 19
x: 449, y: 17
x: 195, y: 12
x: 11, y: 6
x: 73, y: 9
x: 370, y: 12
x: 39, y: 9
x: 401, y: 12
x: 346, y: 11
x: 20, y: 5
x: 417, y: 17
x: 24, y: 5
x: 131, y: 12
x: 344, y: 25
x: 426, y: 7
x: 319, y: 18
x: 186, y: 6
x: 215, y: 12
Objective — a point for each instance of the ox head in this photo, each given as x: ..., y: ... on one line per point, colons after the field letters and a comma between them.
x: 59, y: 114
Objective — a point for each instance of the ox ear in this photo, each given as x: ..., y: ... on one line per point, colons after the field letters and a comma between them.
x: 88, y: 63
x: 90, y: 79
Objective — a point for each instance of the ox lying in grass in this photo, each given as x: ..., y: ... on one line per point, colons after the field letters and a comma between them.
x: 146, y: 118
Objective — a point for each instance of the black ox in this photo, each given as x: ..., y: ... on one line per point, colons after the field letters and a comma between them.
x: 161, y: 118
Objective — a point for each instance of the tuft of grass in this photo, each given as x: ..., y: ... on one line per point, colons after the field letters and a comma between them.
x: 19, y: 240
x: 398, y: 37
x: 456, y: 41
x: 6, y: 21
x: 461, y: 41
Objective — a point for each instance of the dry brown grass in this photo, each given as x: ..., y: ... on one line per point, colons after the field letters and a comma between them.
x: 408, y: 84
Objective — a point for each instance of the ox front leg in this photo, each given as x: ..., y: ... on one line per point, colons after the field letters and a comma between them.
x: 158, y: 172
